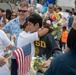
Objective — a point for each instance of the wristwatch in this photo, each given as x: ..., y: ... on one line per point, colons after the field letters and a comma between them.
x: 51, y: 58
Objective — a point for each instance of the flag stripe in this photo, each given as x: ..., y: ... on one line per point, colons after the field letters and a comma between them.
x: 23, y: 58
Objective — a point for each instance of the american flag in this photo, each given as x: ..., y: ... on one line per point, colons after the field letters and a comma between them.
x: 23, y: 58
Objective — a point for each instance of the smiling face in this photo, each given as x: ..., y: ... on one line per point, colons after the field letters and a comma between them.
x: 22, y: 12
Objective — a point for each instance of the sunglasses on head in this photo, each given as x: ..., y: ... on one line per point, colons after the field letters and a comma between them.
x: 23, y: 11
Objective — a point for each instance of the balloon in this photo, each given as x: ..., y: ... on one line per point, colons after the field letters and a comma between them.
x: 44, y: 9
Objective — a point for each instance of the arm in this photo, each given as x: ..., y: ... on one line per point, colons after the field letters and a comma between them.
x: 34, y: 36
x: 6, y: 28
x: 43, y: 31
x: 54, y: 49
x: 13, y: 37
x: 6, y: 42
x: 11, y: 45
x: 66, y: 49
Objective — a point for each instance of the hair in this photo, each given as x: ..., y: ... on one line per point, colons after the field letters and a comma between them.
x: 35, y: 18
x: 8, y: 14
x: 59, y: 8
x: 23, y: 4
x: 70, y: 12
x: 64, y: 27
x: 51, y: 5
x: 71, y: 40
x: 14, y: 12
x: 46, y: 25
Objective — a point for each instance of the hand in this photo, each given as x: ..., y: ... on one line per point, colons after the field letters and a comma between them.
x: 2, y: 61
x: 13, y: 37
x: 47, y: 63
x: 66, y: 49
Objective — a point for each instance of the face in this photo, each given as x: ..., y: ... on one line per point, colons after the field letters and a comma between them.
x: 13, y: 16
x: 22, y: 12
x: 27, y: 28
x: 51, y: 8
x: 32, y: 27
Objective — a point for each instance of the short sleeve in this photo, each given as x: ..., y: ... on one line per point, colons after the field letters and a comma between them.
x: 6, y: 42
x: 33, y: 36
x: 6, y: 28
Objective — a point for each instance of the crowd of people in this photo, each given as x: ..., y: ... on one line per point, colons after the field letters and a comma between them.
x: 50, y: 33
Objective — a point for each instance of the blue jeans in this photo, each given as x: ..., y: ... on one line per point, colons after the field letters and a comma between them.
x: 14, y: 67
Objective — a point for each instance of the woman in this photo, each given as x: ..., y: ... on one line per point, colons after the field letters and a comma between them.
x: 5, y: 42
x: 13, y: 15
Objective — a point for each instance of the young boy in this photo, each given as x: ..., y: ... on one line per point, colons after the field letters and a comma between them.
x: 46, y: 45
x: 64, y: 37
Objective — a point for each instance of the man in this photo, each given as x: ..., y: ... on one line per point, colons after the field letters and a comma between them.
x: 51, y: 14
x: 14, y: 27
x: 46, y: 46
x: 2, y: 61
x: 71, y: 18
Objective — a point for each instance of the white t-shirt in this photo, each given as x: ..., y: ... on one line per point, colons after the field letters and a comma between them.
x: 26, y: 38
x: 4, y: 42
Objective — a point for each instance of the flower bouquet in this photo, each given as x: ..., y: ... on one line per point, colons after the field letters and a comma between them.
x: 55, y: 23
x: 35, y: 64
x: 56, y: 27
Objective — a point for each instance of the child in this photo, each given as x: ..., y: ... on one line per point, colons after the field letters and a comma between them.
x: 64, y: 37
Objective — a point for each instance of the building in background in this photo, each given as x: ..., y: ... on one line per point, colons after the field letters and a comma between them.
x: 66, y: 4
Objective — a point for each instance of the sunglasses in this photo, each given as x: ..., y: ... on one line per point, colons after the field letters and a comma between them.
x: 13, y: 15
x: 23, y: 11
